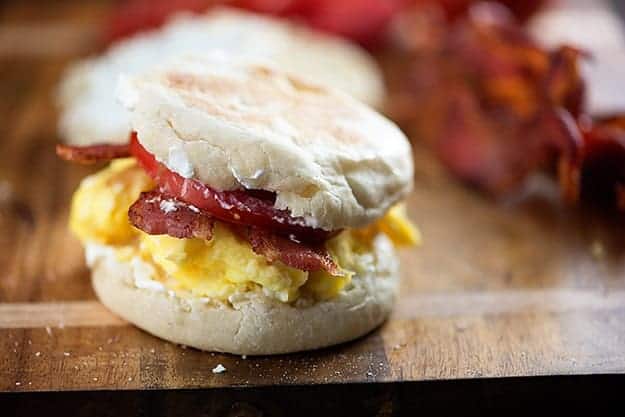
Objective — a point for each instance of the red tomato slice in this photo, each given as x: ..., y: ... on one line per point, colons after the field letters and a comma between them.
x: 133, y: 16
x: 247, y: 207
x: 363, y: 21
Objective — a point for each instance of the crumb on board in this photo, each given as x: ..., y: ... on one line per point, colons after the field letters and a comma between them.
x: 6, y: 191
x: 597, y: 250
x: 219, y: 369
x: 49, y: 330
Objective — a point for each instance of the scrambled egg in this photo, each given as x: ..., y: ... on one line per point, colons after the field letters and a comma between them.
x: 225, y: 265
x: 100, y: 206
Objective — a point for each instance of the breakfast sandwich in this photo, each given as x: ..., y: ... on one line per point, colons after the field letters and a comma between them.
x: 251, y: 212
x: 90, y: 113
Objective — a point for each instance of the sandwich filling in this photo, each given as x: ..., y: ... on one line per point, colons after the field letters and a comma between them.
x: 216, y: 244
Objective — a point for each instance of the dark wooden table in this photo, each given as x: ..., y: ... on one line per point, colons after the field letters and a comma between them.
x: 506, y: 303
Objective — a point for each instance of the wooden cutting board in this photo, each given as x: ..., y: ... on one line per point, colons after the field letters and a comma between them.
x: 518, y: 288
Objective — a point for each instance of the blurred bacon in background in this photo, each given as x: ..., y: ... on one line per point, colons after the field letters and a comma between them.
x: 497, y: 106
x: 494, y: 103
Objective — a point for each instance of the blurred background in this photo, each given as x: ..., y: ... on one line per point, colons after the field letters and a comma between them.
x: 517, y: 116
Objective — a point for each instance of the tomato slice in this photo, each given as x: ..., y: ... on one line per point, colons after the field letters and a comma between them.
x: 246, y: 207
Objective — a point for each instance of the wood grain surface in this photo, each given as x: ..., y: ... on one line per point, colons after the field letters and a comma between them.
x: 499, y: 289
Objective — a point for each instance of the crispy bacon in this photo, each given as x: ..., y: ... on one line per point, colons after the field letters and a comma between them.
x: 158, y: 214
x: 485, y: 96
x: 92, y: 154
x: 292, y: 253
x: 496, y: 107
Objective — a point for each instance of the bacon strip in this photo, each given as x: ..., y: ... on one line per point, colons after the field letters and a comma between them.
x: 92, y: 154
x: 294, y: 254
x: 158, y: 214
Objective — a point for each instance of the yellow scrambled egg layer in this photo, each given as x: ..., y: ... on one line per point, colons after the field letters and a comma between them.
x: 226, y: 264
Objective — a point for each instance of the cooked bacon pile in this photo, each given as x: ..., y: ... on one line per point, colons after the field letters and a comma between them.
x: 497, y: 107
x: 185, y: 208
x: 91, y: 154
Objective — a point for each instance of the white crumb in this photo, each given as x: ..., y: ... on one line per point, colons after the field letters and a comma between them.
x: 219, y: 369
x: 168, y: 206
x: 66, y: 353
x: 6, y: 191
x: 597, y: 250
